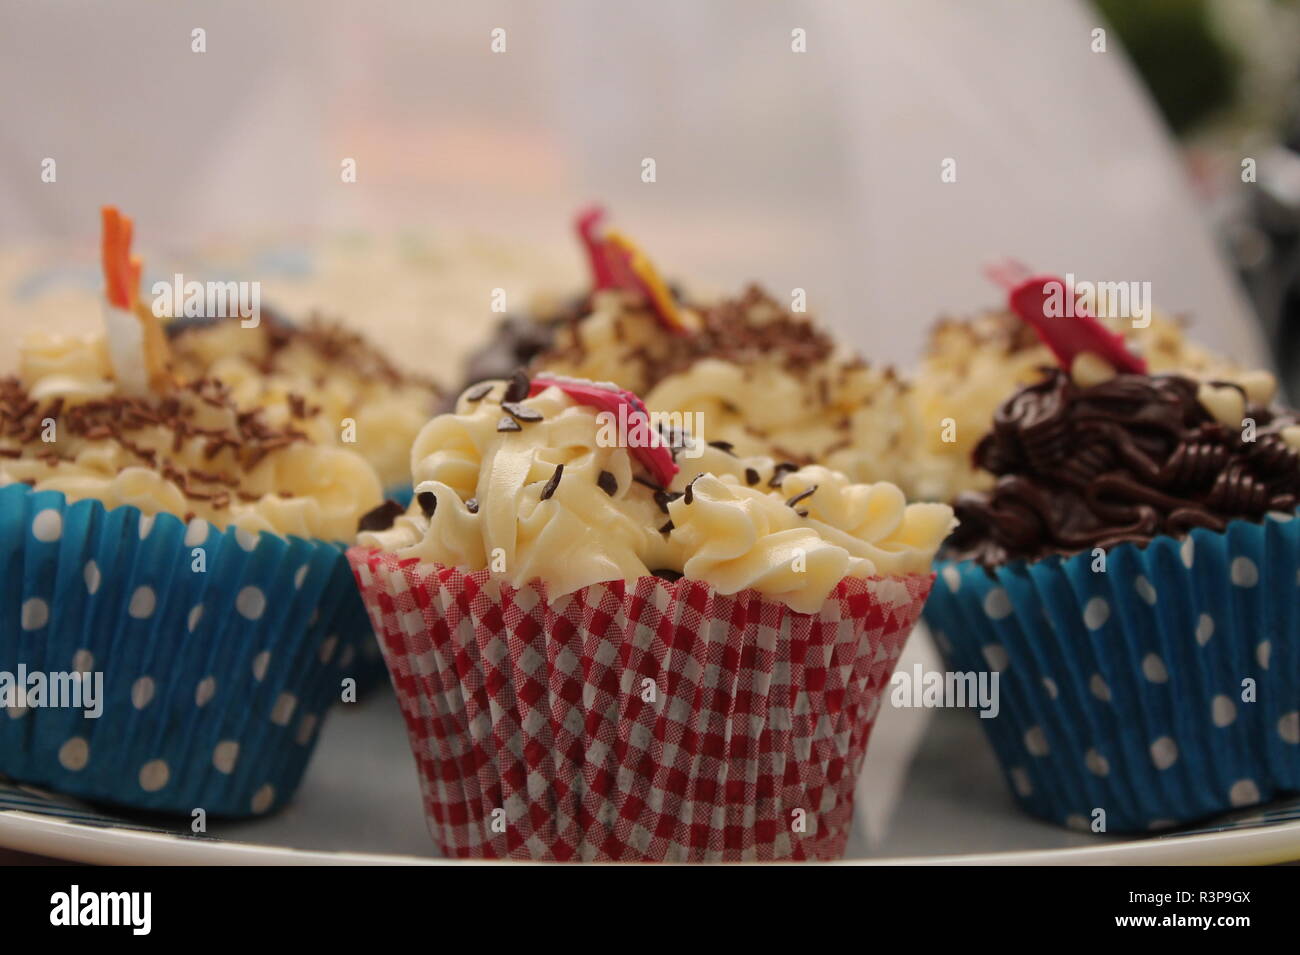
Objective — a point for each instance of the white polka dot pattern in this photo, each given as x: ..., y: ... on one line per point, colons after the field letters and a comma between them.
x: 1135, y: 673
x: 114, y: 595
x: 47, y: 526
x: 35, y: 613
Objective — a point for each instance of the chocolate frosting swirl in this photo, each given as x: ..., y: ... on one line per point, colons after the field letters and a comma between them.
x: 1126, y: 460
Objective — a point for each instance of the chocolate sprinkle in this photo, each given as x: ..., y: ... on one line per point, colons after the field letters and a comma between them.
x: 801, y: 496
x: 472, y: 505
x: 646, y: 482
x: 381, y: 518
x: 667, y: 528
x: 478, y: 392
x: 521, y: 412
x: 690, y: 489
x: 780, y: 471
x: 752, y: 477
x: 607, y: 483
x: 664, y: 498
x: 553, y: 483
x: 726, y: 446
x: 508, y: 423
x: 428, y: 502
x: 518, y: 388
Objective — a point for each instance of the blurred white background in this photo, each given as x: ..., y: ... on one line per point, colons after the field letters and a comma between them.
x: 819, y: 169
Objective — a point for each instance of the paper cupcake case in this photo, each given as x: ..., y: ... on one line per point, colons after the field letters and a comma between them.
x: 369, y: 669
x: 1122, y: 690
x: 215, y: 683
x: 659, y: 722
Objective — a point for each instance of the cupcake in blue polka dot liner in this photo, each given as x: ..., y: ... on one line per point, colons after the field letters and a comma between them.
x: 1134, y: 580
x: 172, y: 611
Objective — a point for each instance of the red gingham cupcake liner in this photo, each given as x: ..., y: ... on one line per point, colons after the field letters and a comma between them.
x: 658, y: 722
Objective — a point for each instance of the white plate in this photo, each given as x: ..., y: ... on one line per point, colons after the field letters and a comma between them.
x: 360, y: 805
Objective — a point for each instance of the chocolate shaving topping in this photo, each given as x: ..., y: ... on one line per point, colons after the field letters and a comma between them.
x: 1127, y: 460
x: 380, y: 518
x: 428, y: 502
x: 780, y: 471
x: 478, y: 392
x: 690, y: 489
x: 801, y: 496
x: 752, y: 477
x: 518, y: 388
x: 607, y: 483
x: 553, y: 483
x: 664, y: 498
x: 738, y: 330
x: 127, y: 420
x: 726, y: 446
x: 521, y: 412
x: 472, y: 505
x: 646, y: 482
x: 667, y: 528
x: 333, y: 342
x: 508, y: 423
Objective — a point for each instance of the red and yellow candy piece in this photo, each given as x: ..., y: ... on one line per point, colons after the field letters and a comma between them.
x: 617, y: 263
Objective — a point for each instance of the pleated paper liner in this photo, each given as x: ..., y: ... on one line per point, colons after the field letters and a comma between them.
x: 1156, y: 693
x: 661, y: 722
x: 368, y: 667
x: 215, y: 677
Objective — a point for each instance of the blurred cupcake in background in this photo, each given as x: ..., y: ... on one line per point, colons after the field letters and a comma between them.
x: 769, y: 380
x: 174, y: 554
x: 1133, y: 577
x: 611, y: 646
x: 315, y: 377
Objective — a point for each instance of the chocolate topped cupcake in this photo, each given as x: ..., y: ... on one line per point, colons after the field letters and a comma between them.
x: 1132, y: 579
x: 972, y: 365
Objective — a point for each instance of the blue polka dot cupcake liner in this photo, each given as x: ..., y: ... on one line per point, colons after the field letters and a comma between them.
x: 1155, y: 690
x: 217, y: 654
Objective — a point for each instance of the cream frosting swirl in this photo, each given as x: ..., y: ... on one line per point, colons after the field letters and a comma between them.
x: 193, y: 453
x: 551, y: 500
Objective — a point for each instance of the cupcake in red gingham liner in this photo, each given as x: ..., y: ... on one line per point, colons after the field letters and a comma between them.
x: 611, y: 645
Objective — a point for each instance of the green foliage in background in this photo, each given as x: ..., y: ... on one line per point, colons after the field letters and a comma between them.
x: 1190, y: 71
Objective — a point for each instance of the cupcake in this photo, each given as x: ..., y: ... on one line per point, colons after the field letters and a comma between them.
x: 770, y: 381
x: 607, y: 650
x: 1132, y: 578
x: 973, y: 365
x: 317, y: 378
x: 171, y: 569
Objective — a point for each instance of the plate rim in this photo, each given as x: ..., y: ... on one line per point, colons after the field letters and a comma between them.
x: 104, y: 845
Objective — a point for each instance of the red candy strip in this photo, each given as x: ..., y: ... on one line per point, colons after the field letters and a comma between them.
x: 618, y: 264
x: 1066, y: 335
x: 656, y: 457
